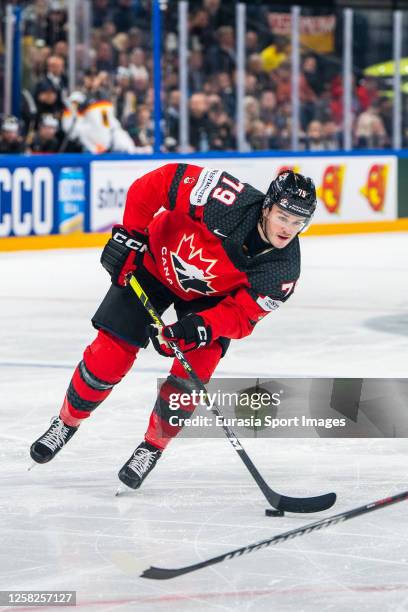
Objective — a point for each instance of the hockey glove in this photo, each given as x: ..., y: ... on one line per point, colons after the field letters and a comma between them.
x: 123, y: 253
x: 190, y: 333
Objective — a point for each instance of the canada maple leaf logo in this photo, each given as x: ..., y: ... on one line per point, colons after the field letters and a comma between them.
x: 192, y: 270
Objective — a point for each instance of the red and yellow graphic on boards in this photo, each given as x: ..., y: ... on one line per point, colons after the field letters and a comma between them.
x: 330, y: 191
x: 376, y: 186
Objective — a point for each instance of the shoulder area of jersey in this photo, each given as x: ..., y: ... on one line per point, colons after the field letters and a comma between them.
x: 221, y: 186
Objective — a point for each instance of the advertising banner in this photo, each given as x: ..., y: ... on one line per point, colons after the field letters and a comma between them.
x: 349, y: 189
x: 38, y: 198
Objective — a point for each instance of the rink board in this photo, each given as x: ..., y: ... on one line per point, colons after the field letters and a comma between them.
x: 71, y: 195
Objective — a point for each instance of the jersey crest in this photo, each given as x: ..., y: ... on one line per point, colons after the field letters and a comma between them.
x: 192, y: 270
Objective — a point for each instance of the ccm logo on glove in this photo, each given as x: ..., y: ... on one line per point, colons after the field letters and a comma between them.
x: 123, y: 254
x: 130, y: 243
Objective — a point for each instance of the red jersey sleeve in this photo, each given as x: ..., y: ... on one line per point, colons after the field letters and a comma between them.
x: 235, y: 316
x: 168, y: 186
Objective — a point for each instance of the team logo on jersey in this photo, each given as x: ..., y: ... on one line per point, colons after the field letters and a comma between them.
x: 192, y: 270
x: 376, y: 186
x: 331, y: 189
x: 188, y: 180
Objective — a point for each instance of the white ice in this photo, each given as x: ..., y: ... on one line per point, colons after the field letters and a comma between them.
x: 61, y: 526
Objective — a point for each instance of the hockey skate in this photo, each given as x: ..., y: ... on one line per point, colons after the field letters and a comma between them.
x: 139, y: 465
x: 50, y: 443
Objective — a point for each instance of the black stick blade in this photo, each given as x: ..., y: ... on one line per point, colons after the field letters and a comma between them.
x: 160, y: 573
x: 306, y: 504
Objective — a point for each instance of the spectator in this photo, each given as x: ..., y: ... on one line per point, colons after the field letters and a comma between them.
x: 199, y: 123
x: 251, y: 42
x: 55, y: 77
x: 385, y: 108
x: 268, y: 106
x: 140, y: 88
x: 370, y: 131
x: 201, y: 33
x: 219, y: 13
x: 332, y: 135
x: 257, y: 137
x: 281, y: 80
x: 252, y: 86
x: 108, y: 31
x: 120, y: 44
x: 226, y: 92
x: 124, y: 16
x: 255, y: 66
x: 101, y: 12
x: 56, y: 24
x: 10, y: 139
x: 172, y: 120
x: 312, y: 74
x: 46, y: 141
x: 140, y: 127
x: 46, y: 100
x: 56, y: 73
x: 274, y: 55
x: 137, y: 39
x: 221, y: 56
x: 196, y: 72
x: 124, y: 96
x: 367, y: 92
x: 104, y: 57
x: 34, y: 64
x: 35, y: 20
x: 137, y: 65
x: 93, y: 85
x: 61, y: 50
x: 252, y: 109
x: 314, y: 140
x: 220, y: 131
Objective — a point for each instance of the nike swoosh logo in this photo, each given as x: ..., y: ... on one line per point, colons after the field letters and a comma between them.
x: 218, y: 233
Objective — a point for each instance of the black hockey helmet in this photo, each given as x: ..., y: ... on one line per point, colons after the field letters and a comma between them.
x: 294, y: 193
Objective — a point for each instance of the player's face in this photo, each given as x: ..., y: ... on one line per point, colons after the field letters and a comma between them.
x: 281, y: 227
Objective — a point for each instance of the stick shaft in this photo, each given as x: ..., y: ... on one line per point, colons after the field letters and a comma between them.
x: 275, y: 499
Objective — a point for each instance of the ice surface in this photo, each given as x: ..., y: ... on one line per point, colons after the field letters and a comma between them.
x: 61, y: 526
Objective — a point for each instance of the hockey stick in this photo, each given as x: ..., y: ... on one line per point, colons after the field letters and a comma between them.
x: 159, y: 573
x: 281, y: 502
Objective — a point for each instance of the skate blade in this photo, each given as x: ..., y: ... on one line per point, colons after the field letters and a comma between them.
x: 121, y: 489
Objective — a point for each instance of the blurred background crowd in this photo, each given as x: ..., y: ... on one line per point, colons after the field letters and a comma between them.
x: 117, y: 80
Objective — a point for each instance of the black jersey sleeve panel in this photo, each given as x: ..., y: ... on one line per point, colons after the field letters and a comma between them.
x: 174, y: 186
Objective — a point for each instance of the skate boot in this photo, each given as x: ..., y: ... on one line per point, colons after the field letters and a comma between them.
x: 139, y: 465
x: 49, y: 444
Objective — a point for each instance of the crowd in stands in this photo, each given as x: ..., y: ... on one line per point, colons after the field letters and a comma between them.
x: 115, y: 92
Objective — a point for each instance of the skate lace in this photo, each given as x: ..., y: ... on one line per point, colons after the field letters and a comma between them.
x: 56, y: 436
x: 142, y: 460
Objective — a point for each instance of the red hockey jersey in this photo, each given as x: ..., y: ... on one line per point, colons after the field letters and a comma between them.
x: 196, y: 245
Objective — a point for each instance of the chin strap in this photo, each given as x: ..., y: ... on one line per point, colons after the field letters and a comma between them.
x: 262, y: 223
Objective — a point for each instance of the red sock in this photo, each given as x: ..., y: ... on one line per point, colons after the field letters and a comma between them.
x: 105, y: 363
x: 204, y: 361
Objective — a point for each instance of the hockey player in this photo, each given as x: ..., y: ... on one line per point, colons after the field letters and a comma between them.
x: 93, y: 122
x: 223, y: 253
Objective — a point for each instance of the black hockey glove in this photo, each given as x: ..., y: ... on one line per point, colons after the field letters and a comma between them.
x: 123, y: 253
x: 190, y: 333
